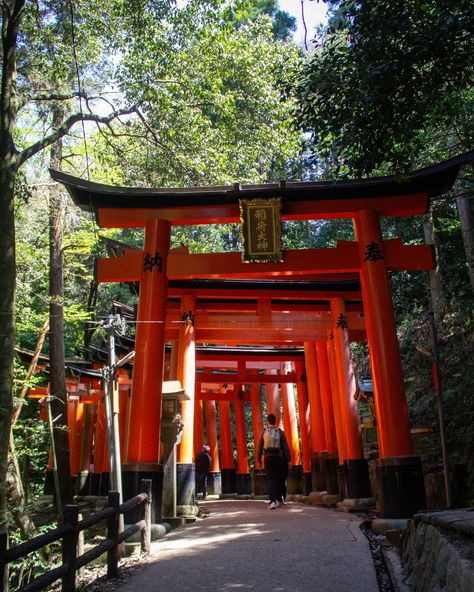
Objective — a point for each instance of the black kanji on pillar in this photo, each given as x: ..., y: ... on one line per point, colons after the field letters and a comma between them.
x: 373, y: 252
x: 342, y: 321
x: 152, y: 261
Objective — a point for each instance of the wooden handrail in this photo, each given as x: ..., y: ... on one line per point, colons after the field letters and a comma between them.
x: 68, y: 533
x: 41, y: 582
x: 94, y: 519
x: 132, y: 529
x: 92, y: 554
x: 41, y: 540
x: 132, y: 502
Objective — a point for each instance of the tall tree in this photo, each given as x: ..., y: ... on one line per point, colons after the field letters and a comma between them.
x: 389, y: 89
x: 30, y: 60
x: 218, y: 108
x: 386, y: 79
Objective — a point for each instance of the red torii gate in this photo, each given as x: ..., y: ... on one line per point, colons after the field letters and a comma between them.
x: 400, y: 480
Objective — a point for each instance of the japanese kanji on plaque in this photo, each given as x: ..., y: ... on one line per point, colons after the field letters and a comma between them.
x: 261, y: 230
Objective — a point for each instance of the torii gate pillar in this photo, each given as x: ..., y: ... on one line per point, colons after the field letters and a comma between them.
x: 228, y: 474
x: 318, y: 436
x: 399, y: 473
x: 143, y: 445
x: 198, y: 436
x: 305, y: 425
x: 185, y: 471
x: 295, y: 475
x: 331, y: 460
x: 243, y: 472
x: 258, y: 473
x: 214, y: 484
x: 356, y: 466
x: 273, y: 399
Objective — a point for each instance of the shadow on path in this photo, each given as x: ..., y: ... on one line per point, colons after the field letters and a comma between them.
x: 242, y: 545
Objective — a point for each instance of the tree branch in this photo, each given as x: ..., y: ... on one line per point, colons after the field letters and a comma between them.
x: 171, y: 156
x: 49, y: 96
x: 64, y: 129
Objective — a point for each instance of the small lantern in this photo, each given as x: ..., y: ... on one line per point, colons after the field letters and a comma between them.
x: 171, y: 424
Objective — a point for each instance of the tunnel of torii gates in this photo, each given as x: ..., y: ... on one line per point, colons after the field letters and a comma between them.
x: 283, y: 323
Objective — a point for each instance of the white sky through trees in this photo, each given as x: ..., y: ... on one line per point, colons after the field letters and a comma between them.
x: 314, y: 14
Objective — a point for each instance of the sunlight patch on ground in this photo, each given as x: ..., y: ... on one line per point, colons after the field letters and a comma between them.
x: 198, y: 540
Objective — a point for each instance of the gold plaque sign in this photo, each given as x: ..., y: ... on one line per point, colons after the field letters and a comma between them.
x: 261, y: 230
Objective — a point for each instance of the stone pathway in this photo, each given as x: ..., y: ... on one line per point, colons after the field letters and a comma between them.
x: 242, y: 545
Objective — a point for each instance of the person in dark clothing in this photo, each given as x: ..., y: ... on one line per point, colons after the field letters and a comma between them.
x: 276, y: 456
x: 203, y: 464
x: 284, y: 477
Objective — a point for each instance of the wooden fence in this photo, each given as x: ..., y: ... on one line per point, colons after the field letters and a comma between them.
x: 68, y: 533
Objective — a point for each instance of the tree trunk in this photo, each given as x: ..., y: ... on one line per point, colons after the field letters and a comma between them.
x: 16, y: 493
x: 14, y: 482
x: 7, y: 331
x: 467, y: 229
x: 91, y: 304
x: 436, y: 283
x: 11, y: 18
x: 57, y: 376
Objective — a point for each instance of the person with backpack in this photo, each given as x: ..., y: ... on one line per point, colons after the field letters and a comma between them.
x: 274, y: 448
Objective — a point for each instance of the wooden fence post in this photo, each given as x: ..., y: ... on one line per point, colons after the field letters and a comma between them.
x: 112, y: 534
x: 69, y: 548
x: 146, y: 532
x: 3, y: 563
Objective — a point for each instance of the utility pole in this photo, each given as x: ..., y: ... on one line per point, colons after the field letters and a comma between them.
x: 441, y: 414
x: 57, y: 488
x: 112, y: 409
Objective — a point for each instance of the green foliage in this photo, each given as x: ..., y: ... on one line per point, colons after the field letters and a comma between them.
x: 32, y: 448
x: 207, y: 238
x: 456, y: 343
x: 33, y: 565
x: 217, y: 107
x: 283, y: 24
x: 80, y: 246
x: 315, y: 234
x: 383, y: 78
x: 452, y: 260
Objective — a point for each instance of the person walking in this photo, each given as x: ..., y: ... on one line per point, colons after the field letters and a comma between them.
x: 203, y: 464
x: 274, y: 448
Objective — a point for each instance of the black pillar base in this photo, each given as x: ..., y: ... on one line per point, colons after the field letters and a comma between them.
x: 185, y: 484
x: 104, y: 486
x: 331, y: 464
x: 294, y: 484
x: 94, y: 487
x: 259, y: 482
x: 229, y: 481
x: 357, y: 478
x: 243, y: 484
x: 49, y: 483
x: 317, y: 471
x: 307, y: 483
x: 132, y: 474
x: 342, y: 480
x: 401, y: 486
x: 214, y: 483
x: 458, y: 474
x: 83, y: 483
